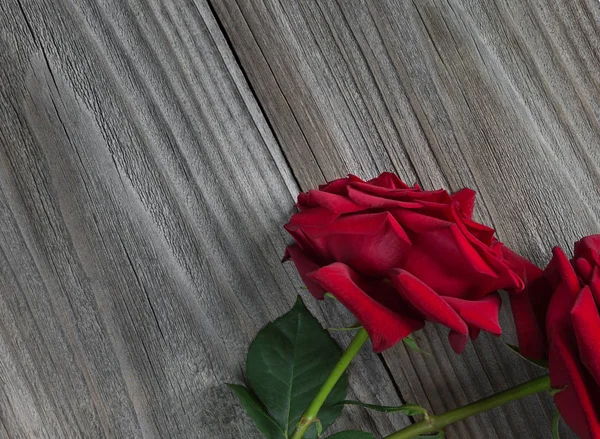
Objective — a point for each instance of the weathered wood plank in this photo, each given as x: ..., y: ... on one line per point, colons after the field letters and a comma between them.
x: 142, y: 196
x: 500, y: 96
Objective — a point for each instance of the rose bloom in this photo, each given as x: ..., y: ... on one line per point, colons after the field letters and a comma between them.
x: 558, y: 319
x: 398, y: 256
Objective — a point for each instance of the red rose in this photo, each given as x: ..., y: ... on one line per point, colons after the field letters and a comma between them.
x: 558, y: 319
x: 397, y: 256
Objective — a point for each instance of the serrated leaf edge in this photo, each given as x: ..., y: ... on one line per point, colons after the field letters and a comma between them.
x: 299, y: 307
x: 260, y: 406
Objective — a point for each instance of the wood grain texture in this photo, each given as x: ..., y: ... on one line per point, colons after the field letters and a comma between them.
x: 500, y: 96
x: 142, y: 197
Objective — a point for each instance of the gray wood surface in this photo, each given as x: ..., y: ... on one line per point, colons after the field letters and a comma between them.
x: 150, y: 151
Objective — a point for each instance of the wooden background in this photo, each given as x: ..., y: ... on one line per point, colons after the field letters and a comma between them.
x: 151, y: 151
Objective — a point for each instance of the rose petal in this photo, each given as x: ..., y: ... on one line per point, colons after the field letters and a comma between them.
x: 458, y: 341
x: 584, y: 268
x: 531, y: 336
x: 418, y: 222
x: 594, y: 283
x: 407, y: 197
x: 369, y: 243
x: 374, y: 201
x: 586, y: 323
x: 482, y: 233
x: 336, y: 203
x: 338, y: 186
x: 565, y: 270
x: 304, y: 243
x: 313, y: 217
x: 428, y: 302
x: 305, y: 265
x: 465, y: 198
x: 588, y: 248
x: 439, y: 197
x: 578, y: 402
x: 450, y: 266
x: 367, y: 224
x: 530, y: 305
x: 482, y: 313
x: 524, y: 268
x: 466, y: 246
x: 388, y: 180
x: 507, y: 279
x: 304, y: 201
x: 384, y: 315
x: 474, y: 332
x: 392, y: 193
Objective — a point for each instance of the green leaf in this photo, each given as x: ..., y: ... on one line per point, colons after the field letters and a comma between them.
x: 555, y: 424
x: 407, y: 409
x: 352, y: 434
x: 411, y: 343
x: 288, y: 362
x: 539, y: 363
x: 265, y: 423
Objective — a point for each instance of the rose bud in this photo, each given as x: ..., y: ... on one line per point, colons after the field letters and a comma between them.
x: 398, y: 256
x: 558, y: 319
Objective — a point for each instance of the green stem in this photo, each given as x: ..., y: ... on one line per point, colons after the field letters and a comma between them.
x: 436, y: 423
x: 309, y: 416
